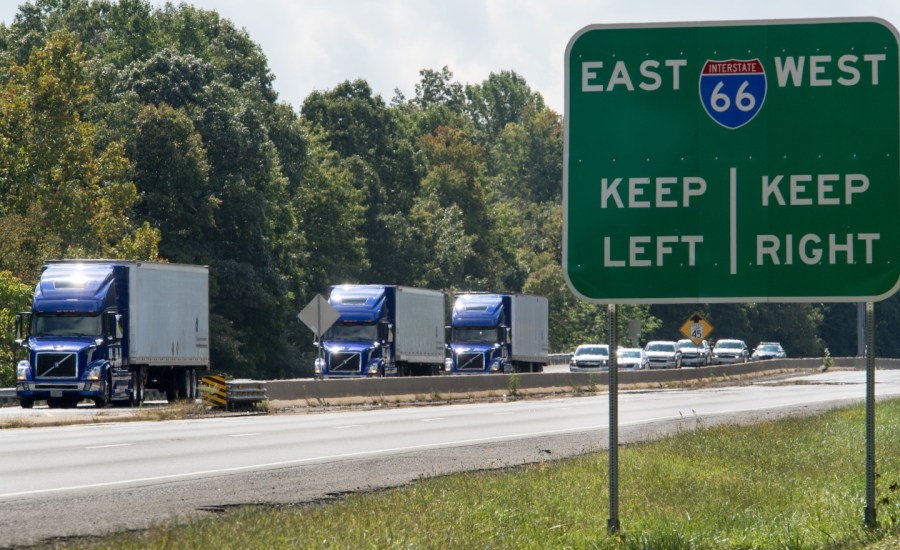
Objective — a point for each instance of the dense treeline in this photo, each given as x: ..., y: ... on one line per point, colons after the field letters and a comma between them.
x: 133, y: 132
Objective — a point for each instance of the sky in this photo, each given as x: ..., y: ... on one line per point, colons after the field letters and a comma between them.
x: 317, y: 44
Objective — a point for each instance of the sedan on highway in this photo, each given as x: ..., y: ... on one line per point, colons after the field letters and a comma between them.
x: 695, y: 354
x: 730, y: 351
x: 590, y: 357
x: 768, y: 350
x: 663, y: 354
x: 631, y: 358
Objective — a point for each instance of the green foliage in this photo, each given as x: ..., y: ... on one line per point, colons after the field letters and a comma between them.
x: 514, y: 385
x: 53, y: 173
x: 130, y: 131
x: 15, y: 296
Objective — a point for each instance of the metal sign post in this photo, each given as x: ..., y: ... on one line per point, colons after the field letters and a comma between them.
x: 869, y: 519
x: 612, y: 524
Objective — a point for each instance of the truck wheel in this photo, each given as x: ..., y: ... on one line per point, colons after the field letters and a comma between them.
x: 104, y: 400
x: 26, y: 402
x: 192, y: 384
x: 171, y: 389
x: 137, y: 388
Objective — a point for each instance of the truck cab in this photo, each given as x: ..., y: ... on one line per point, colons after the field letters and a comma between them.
x: 73, y: 337
x: 479, y: 335
x: 360, y: 342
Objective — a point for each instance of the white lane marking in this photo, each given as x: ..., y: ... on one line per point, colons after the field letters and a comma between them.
x: 348, y: 426
x: 244, y: 435
x: 373, y: 452
x: 504, y: 414
x: 323, y: 458
x: 109, y: 446
x: 435, y: 419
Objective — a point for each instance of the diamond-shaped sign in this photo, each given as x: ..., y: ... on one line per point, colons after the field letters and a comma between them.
x: 319, y: 315
x: 696, y: 328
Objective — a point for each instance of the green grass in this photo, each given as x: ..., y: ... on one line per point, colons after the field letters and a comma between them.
x: 796, y: 483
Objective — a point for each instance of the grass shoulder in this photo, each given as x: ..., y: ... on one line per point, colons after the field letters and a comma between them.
x: 791, y: 483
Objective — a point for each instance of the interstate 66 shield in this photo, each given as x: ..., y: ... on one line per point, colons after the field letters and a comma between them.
x: 733, y: 162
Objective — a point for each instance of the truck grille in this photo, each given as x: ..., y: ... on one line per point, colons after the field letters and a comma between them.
x: 470, y: 361
x: 56, y: 365
x: 344, y: 362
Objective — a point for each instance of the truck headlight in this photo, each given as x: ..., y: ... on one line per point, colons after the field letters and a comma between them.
x: 448, y: 364
x: 319, y: 365
x: 373, y: 369
x: 23, y: 370
x: 94, y: 373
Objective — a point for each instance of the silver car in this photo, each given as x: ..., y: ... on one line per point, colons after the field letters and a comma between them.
x: 663, y: 354
x: 697, y: 355
x: 730, y: 351
x: 631, y: 358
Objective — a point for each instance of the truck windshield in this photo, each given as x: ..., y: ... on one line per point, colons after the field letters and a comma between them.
x: 475, y: 335
x: 67, y: 325
x: 368, y: 333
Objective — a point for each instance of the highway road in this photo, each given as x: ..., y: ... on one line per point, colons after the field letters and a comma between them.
x: 89, y: 479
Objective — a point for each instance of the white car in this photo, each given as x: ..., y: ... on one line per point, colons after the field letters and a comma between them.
x: 590, y: 357
x: 698, y: 355
x: 730, y: 351
x: 631, y: 358
x: 663, y: 354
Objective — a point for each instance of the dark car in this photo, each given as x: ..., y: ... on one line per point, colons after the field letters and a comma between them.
x: 768, y: 350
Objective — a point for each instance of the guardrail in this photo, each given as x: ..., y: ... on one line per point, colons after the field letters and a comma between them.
x: 8, y: 397
x: 315, y: 390
x: 251, y: 392
x: 220, y: 393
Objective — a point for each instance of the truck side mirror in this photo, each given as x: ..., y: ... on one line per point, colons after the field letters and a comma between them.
x: 390, y: 333
x: 448, y: 332
x: 23, y: 327
x: 113, y: 327
x: 508, y: 335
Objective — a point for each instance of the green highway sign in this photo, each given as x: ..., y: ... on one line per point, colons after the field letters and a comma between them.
x: 733, y: 162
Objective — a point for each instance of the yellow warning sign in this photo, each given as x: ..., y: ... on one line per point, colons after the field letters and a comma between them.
x: 696, y: 328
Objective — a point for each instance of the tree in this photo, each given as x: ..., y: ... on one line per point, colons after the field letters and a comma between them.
x: 15, y: 296
x: 502, y: 99
x: 53, y: 175
x: 360, y: 128
x: 166, y: 77
x: 172, y: 176
x: 526, y: 159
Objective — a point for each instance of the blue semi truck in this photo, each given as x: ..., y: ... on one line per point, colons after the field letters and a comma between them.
x: 497, y: 333
x: 383, y: 330
x: 106, y: 330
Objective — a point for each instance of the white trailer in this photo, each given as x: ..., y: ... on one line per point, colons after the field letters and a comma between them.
x: 420, y: 323
x: 529, y: 328
x: 168, y: 314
